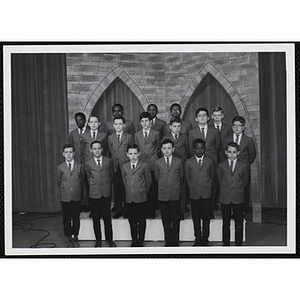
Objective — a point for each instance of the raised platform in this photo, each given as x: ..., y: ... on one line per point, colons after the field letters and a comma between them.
x: 154, y: 229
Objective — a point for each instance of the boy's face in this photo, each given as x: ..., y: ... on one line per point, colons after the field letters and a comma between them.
x: 175, y: 111
x: 94, y: 123
x: 145, y: 122
x: 133, y: 155
x: 117, y: 111
x: 199, y: 149
x: 80, y: 121
x: 152, y: 111
x: 175, y: 127
x: 68, y: 154
x: 202, y: 117
x: 232, y: 153
x: 118, y: 125
x: 217, y: 116
x: 96, y: 149
x: 237, y: 127
x: 167, y: 149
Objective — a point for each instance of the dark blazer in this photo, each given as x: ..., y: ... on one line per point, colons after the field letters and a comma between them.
x: 149, y: 147
x: 109, y: 128
x: 99, y: 179
x: 158, y: 126
x: 180, y: 144
x: 232, y: 184
x: 169, y: 178
x: 185, y: 128
x: 76, y: 140
x: 212, y: 142
x: 137, y: 182
x: 87, y: 140
x: 70, y: 182
x: 200, y: 178
x: 117, y: 149
x: 247, y: 148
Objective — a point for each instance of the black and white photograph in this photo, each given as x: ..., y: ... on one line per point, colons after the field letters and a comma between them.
x: 149, y: 149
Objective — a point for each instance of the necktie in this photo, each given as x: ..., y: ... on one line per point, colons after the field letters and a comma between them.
x: 70, y: 167
x: 200, y: 161
x: 218, y: 127
x: 168, y: 161
x: 145, y: 134
x: 133, y: 166
x: 99, y: 162
x: 203, y: 132
x: 237, y: 138
x: 231, y: 165
x: 81, y: 130
x: 176, y: 136
x: 118, y: 137
x: 94, y: 134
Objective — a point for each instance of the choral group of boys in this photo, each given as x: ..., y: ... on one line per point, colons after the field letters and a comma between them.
x: 156, y: 166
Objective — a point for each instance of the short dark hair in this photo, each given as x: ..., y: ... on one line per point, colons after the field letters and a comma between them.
x: 167, y: 141
x: 95, y: 142
x: 175, y: 104
x: 145, y: 114
x: 152, y: 104
x: 68, y: 146
x: 133, y: 146
x: 201, y: 109
x: 217, y: 108
x: 198, y: 141
x: 94, y: 116
x: 80, y: 114
x: 175, y: 120
x: 119, y: 118
x: 239, y: 119
x: 233, y: 144
x: 117, y: 104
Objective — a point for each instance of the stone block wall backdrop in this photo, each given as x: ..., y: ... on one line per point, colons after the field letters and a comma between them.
x: 167, y: 78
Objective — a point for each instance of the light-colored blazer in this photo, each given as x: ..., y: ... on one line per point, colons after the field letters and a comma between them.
x: 70, y: 182
x: 99, y: 178
x: 137, y: 182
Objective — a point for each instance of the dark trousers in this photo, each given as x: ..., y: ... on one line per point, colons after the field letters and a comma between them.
x: 238, y: 219
x: 137, y: 214
x: 170, y: 215
x: 71, y: 212
x: 119, y: 191
x: 152, y: 196
x: 201, y: 210
x: 101, y: 207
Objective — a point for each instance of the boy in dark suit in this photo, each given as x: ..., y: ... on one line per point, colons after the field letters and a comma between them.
x: 117, y: 146
x: 94, y: 134
x: 77, y: 141
x: 169, y: 173
x: 148, y: 141
x: 175, y: 111
x: 200, y: 175
x: 233, y: 176
x: 99, y: 172
x: 137, y: 180
x: 118, y: 111
x: 247, y: 150
x: 70, y: 179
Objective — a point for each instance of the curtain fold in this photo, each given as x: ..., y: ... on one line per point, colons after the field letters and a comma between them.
x: 272, y: 82
x: 39, y: 129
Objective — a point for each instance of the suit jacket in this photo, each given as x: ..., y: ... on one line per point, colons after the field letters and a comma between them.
x: 232, y: 184
x: 247, y: 148
x: 225, y: 131
x: 212, y: 142
x: 109, y: 128
x: 149, y: 147
x: 137, y: 182
x: 180, y: 144
x: 99, y: 178
x: 158, y: 126
x: 200, y: 178
x: 87, y: 140
x: 117, y: 149
x: 185, y: 128
x: 76, y: 140
x: 70, y: 182
x: 169, y: 178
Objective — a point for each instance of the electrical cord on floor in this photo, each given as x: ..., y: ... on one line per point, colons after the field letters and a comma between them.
x: 19, y: 225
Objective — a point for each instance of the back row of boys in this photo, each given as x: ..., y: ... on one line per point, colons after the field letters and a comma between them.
x: 147, y: 179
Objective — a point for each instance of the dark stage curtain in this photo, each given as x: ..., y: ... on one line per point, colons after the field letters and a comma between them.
x: 272, y: 82
x: 39, y: 129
